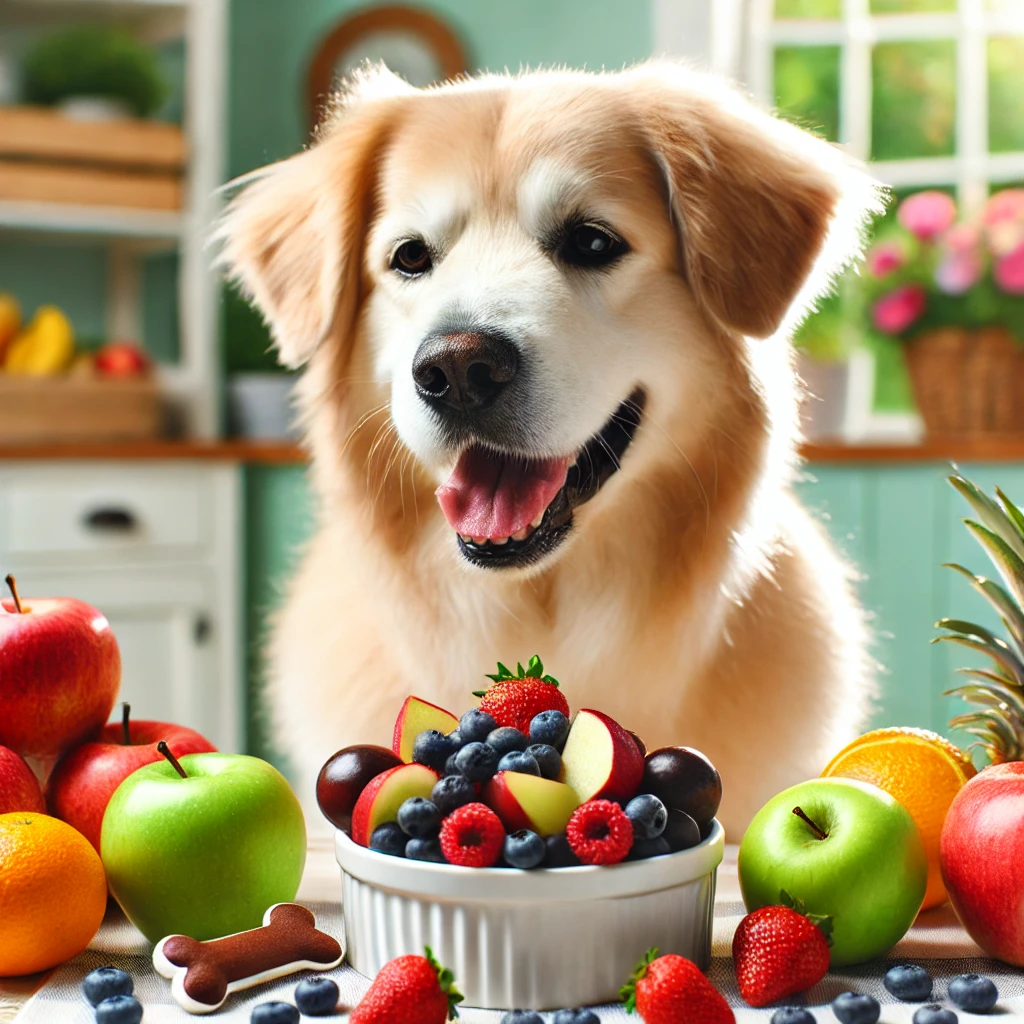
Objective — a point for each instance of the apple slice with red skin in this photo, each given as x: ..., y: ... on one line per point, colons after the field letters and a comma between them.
x: 19, y: 788
x: 528, y: 801
x: 385, y: 793
x: 601, y: 759
x: 416, y: 716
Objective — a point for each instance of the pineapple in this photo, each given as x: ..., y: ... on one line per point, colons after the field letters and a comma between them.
x: 997, y: 693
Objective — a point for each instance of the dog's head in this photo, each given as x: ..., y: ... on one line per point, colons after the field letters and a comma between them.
x: 541, y: 275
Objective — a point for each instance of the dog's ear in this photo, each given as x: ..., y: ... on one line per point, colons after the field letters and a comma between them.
x: 767, y: 213
x: 293, y: 238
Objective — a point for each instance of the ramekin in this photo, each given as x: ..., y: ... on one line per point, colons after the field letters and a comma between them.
x: 541, y: 939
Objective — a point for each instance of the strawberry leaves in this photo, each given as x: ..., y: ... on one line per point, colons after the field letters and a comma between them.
x: 534, y: 670
x: 446, y: 981
x: 824, y: 922
x: 628, y: 991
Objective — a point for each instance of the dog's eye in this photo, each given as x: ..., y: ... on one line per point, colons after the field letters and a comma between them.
x: 587, y: 245
x: 411, y: 258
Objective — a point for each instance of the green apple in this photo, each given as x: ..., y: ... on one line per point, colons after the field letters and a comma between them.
x: 846, y: 850
x: 206, y: 854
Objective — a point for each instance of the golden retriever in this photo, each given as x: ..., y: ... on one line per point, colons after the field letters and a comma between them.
x: 552, y: 409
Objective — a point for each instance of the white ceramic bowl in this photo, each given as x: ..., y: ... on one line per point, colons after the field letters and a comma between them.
x: 541, y: 939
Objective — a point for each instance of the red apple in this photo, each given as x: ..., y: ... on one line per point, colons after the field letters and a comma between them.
x: 61, y: 670
x: 122, y: 359
x: 601, y: 759
x: 85, y: 778
x: 383, y: 795
x: 981, y: 852
x: 528, y: 801
x: 19, y: 788
x: 415, y: 717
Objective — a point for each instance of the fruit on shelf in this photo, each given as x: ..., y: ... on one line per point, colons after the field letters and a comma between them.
x: 222, y: 833
x: 921, y: 769
x: 671, y: 990
x: 684, y: 780
x: 600, y: 759
x: 529, y: 801
x: 385, y: 793
x: 515, y: 699
x: 418, y: 716
x: 53, y: 895
x: 844, y: 849
x: 85, y: 778
x: 122, y: 359
x: 407, y: 989
x: 44, y: 348
x: 19, y: 788
x: 10, y: 321
x: 344, y: 777
x: 61, y: 674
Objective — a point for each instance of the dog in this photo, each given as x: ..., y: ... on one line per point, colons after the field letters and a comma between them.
x: 550, y: 399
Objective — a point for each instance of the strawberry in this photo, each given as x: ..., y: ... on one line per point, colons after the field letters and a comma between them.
x: 513, y: 700
x: 409, y: 990
x: 779, y: 951
x: 671, y: 990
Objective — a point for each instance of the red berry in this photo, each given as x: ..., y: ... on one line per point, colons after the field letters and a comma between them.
x: 473, y: 836
x: 515, y: 699
x: 599, y: 832
x: 778, y: 952
x: 671, y: 990
x: 409, y: 990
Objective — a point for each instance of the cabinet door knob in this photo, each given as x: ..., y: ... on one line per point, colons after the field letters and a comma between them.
x: 201, y: 629
x: 113, y: 520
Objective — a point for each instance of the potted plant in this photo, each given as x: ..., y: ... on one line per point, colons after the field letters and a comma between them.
x: 953, y: 291
x: 823, y: 350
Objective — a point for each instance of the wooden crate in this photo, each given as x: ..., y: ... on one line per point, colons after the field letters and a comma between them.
x: 27, y: 180
x: 35, y: 410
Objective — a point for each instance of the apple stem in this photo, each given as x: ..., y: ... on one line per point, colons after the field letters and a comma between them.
x: 816, y: 829
x: 166, y: 751
x: 12, y: 585
x: 126, y: 710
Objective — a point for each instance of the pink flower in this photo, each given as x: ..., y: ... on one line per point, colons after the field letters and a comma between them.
x: 1009, y: 272
x: 895, y: 312
x: 927, y: 214
x: 884, y: 258
x: 959, y: 272
x: 962, y: 236
x: 1003, y: 206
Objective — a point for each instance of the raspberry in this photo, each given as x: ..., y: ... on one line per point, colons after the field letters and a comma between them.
x: 473, y: 836
x: 599, y: 832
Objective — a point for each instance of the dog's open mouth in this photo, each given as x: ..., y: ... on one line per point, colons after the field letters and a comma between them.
x: 509, y: 512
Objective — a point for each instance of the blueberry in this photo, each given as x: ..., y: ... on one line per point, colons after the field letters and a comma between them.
x: 451, y: 792
x: 433, y: 749
x: 120, y: 1009
x: 475, y: 726
x: 522, y: 1017
x: 644, y: 848
x: 934, y: 1014
x: 648, y: 814
x: 681, y: 831
x: 581, y: 1015
x: 549, y: 759
x: 559, y: 853
x: 274, y: 1013
x: 425, y: 849
x: 854, y: 1008
x: 419, y: 818
x: 455, y: 739
x: 477, y: 761
x: 792, y: 1015
x: 908, y: 982
x: 316, y: 997
x: 551, y: 727
x: 519, y: 761
x: 105, y: 982
x: 524, y: 849
x: 450, y: 766
x: 973, y: 993
x: 505, y: 740
x: 389, y: 838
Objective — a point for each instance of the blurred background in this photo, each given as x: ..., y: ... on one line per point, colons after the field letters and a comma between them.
x: 147, y: 462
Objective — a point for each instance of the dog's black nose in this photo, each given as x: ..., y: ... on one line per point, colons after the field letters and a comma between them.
x: 465, y: 371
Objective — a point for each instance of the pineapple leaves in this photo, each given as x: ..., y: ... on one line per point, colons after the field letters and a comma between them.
x: 990, y: 513
x: 1003, y: 557
x: 998, y: 652
x: 1004, y: 605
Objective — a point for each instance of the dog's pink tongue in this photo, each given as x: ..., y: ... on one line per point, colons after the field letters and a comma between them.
x: 489, y: 495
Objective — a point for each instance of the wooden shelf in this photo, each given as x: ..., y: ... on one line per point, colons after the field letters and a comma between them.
x: 91, y: 221
x: 996, y: 449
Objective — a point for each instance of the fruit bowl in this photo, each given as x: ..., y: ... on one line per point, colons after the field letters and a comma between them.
x: 541, y: 939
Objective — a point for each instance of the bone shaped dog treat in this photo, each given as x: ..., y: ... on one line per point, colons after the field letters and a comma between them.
x: 204, y: 974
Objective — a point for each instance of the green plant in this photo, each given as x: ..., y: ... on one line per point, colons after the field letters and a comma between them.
x: 94, y: 61
x: 248, y: 347
x: 997, y: 693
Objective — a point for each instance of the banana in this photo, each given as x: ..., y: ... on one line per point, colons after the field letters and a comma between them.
x: 45, y: 347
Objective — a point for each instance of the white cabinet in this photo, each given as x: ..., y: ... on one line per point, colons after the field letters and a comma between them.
x: 156, y: 547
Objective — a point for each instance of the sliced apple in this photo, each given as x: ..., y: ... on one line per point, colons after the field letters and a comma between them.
x: 601, y: 759
x: 384, y: 794
x: 528, y: 801
x: 415, y: 717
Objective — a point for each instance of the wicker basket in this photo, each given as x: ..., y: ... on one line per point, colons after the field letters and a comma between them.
x: 968, y: 383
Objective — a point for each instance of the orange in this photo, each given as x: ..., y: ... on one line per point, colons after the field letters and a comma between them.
x: 919, y: 768
x: 53, y: 893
